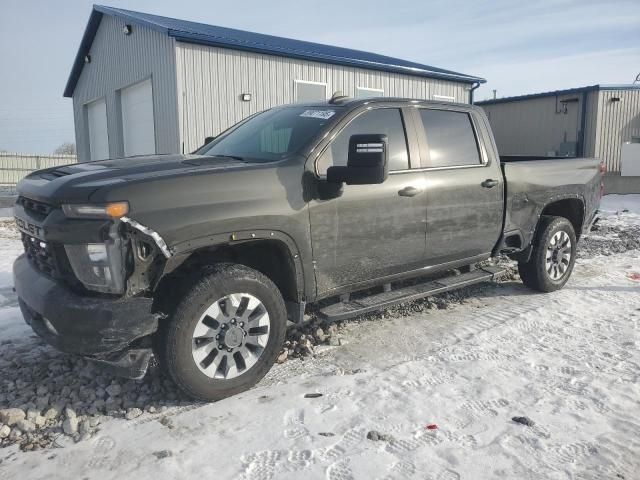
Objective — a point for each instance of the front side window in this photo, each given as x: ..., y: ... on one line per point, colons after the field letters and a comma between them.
x: 387, y: 121
x: 272, y: 135
x: 451, y: 138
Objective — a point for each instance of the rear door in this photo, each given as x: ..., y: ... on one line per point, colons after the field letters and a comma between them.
x: 464, y: 185
x: 366, y: 232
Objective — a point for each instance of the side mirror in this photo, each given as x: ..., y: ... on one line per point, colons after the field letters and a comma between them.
x: 208, y: 140
x: 366, y: 164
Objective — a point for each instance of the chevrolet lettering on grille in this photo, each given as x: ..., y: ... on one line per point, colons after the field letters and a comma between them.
x: 28, y: 228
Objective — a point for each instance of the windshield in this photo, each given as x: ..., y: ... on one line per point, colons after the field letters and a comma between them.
x: 272, y: 135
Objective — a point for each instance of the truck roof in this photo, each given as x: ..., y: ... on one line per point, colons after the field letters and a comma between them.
x: 355, y: 102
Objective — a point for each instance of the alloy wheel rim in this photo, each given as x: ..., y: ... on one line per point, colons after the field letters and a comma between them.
x: 231, y: 336
x: 558, y: 256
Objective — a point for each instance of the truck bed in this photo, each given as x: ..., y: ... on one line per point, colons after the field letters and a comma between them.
x: 527, y: 158
x: 533, y: 182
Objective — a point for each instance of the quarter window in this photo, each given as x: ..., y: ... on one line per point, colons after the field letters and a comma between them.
x: 387, y: 121
x: 451, y: 138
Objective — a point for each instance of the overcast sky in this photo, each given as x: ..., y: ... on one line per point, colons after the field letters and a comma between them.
x: 518, y: 46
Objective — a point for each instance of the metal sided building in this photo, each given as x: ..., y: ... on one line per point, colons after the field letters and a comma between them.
x: 596, y: 121
x: 144, y: 84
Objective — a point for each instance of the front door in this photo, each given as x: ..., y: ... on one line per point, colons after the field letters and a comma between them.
x: 369, y: 231
x: 464, y: 186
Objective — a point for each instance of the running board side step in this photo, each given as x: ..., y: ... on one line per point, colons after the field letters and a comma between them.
x: 344, y: 310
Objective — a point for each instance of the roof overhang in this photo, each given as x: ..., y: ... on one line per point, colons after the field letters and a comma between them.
x: 230, y: 43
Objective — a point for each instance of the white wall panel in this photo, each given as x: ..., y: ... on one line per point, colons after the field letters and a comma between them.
x: 118, y: 61
x: 211, y: 81
x: 619, y: 121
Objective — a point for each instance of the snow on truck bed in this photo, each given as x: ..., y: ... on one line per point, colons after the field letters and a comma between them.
x: 568, y: 361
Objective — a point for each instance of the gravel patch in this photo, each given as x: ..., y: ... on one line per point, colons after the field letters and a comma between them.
x: 8, y: 228
x: 610, y: 236
x: 46, y: 394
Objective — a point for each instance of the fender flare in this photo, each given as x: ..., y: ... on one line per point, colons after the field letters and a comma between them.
x: 525, y: 254
x: 182, y: 250
x: 554, y: 199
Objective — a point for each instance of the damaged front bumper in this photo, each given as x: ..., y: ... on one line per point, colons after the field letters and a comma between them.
x: 98, y: 327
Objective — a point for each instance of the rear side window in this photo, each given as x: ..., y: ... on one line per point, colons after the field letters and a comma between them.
x: 452, y: 141
x: 386, y: 121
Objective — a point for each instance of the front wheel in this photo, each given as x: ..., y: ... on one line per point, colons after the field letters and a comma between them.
x: 225, y: 334
x: 553, y: 255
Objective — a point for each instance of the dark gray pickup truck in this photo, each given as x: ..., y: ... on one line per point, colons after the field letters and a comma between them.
x: 203, y: 258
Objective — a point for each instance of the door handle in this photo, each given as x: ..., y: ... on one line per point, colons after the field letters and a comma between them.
x: 489, y: 183
x: 409, y: 191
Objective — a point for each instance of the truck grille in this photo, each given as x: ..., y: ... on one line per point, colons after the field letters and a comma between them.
x: 42, y: 255
x: 34, y: 206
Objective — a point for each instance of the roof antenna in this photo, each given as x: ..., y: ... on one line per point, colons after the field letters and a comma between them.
x: 338, y: 97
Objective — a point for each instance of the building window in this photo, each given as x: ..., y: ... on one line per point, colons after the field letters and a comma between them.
x: 364, y: 92
x: 306, y: 91
x: 387, y: 121
x: 445, y: 98
x: 450, y: 137
x: 635, y: 139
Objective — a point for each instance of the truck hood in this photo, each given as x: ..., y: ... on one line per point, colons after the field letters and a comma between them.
x: 78, y: 182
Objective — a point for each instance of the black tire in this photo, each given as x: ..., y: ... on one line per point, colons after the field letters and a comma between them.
x: 217, y: 282
x: 534, y: 273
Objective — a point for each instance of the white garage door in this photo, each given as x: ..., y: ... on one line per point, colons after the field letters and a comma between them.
x: 137, y: 119
x: 98, y: 136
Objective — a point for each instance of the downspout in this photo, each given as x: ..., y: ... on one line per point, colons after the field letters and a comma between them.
x: 475, y: 86
x: 583, y: 123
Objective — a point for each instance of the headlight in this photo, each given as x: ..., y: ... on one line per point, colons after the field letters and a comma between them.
x: 105, y: 210
x: 99, y: 266
x: 97, y: 252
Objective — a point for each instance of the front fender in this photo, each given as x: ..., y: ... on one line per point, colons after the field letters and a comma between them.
x: 305, y: 279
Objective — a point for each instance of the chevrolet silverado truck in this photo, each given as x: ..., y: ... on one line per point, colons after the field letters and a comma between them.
x: 202, y: 259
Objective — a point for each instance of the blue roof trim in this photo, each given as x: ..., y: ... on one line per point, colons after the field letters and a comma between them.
x: 212, y: 35
x: 85, y: 46
x: 554, y: 93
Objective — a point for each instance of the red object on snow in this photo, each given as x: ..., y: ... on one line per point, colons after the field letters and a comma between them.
x: 634, y: 276
x: 432, y: 426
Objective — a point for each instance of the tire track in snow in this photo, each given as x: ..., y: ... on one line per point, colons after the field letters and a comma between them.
x: 507, y: 318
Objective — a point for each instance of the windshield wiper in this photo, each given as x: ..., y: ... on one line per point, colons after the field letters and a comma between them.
x: 211, y: 159
x: 235, y: 157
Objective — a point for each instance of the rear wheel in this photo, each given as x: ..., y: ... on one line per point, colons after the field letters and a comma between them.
x: 553, y: 255
x: 225, y: 334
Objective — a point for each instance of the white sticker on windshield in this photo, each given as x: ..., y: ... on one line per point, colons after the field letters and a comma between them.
x: 323, y: 114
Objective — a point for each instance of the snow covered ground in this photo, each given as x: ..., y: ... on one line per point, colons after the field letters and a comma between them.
x: 569, y: 361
